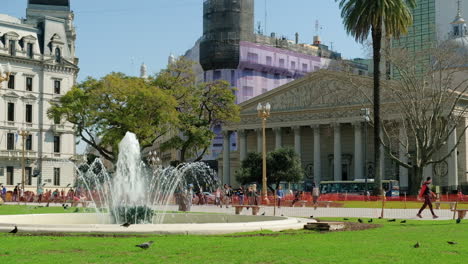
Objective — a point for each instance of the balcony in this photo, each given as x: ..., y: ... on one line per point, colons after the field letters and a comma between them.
x: 59, y: 128
x: 18, y: 154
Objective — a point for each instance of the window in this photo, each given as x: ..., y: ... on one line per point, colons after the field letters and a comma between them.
x: 11, y: 112
x: 264, y: 90
x: 269, y: 60
x: 11, y: 82
x: 293, y: 65
x: 10, y: 141
x: 28, y: 113
x: 216, y: 75
x: 30, y: 51
x: 12, y: 47
x: 305, y: 67
x: 57, y: 144
x: 28, y: 175
x: 29, y: 142
x: 247, y: 91
x: 57, y: 84
x: 57, y: 176
x: 58, y: 55
x: 281, y: 63
x: 10, y: 176
x: 252, y: 57
x: 29, y: 84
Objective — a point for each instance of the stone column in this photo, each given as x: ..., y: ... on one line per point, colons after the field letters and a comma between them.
x: 226, y: 157
x: 337, y: 163
x: 452, y: 161
x: 317, y: 160
x: 358, y: 155
x: 297, y: 140
x: 403, y: 155
x: 278, y: 138
x: 259, y: 140
x: 242, y: 144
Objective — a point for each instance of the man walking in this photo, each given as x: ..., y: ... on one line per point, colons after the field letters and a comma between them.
x: 427, y: 194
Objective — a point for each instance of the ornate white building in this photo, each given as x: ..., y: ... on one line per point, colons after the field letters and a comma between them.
x: 41, y: 52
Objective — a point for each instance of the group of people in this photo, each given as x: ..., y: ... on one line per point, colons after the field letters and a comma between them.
x: 224, y: 195
x: 48, y: 195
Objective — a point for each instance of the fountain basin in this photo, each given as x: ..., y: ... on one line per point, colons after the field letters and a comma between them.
x: 196, y: 224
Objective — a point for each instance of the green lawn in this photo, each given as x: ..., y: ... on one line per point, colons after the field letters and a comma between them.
x: 22, y: 209
x: 390, y: 243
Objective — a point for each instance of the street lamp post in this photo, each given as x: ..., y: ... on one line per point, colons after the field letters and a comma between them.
x: 365, y: 112
x: 4, y: 76
x: 264, y: 113
x: 23, y: 134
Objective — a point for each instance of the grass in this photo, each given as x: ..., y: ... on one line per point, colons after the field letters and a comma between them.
x: 390, y: 243
x: 22, y: 209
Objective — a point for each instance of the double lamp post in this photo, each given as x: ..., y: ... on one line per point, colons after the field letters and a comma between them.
x: 264, y: 113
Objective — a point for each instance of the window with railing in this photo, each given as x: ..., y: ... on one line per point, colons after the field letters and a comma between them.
x: 29, y: 142
x: 29, y: 113
x: 57, y: 176
x: 12, y: 48
x: 57, y: 86
x: 11, y: 112
x: 57, y: 144
x: 29, y: 84
x: 30, y: 51
x: 11, y: 82
x: 10, y: 141
x: 10, y: 175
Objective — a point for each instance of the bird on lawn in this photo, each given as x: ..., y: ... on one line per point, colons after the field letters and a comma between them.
x: 458, y: 220
x: 126, y: 224
x: 311, y: 216
x: 359, y: 220
x: 282, y: 215
x: 380, y: 217
x: 76, y: 210
x: 370, y: 221
x: 263, y: 213
x: 145, y: 245
x: 417, y: 245
x: 14, y: 231
x: 345, y: 219
x: 392, y: 220
x: 403, y: 222
x: 452, y: 242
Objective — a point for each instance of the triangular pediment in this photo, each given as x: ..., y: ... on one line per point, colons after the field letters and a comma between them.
x: 63, y: 62
x: 11, y: 95
x: 30, y: 97
x: 321, y: 89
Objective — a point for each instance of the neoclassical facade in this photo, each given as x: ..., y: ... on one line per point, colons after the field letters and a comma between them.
x: 321, y: 118
x: 41, y: 52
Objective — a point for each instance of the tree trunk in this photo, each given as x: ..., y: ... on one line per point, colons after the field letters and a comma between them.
x: 376, y: 46
x: 415, y: 180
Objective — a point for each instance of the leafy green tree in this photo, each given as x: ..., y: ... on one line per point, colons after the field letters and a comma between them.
x: 380, y: 18
x: 103, y: 110
x: 283, y: 165
x: 201, y: 107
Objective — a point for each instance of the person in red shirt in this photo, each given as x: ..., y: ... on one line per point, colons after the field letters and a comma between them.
x: 427, y: 194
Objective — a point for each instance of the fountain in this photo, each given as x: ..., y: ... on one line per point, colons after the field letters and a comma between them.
x: 141, y: 195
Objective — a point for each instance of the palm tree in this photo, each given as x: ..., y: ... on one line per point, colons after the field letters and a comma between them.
x: 388, y: 18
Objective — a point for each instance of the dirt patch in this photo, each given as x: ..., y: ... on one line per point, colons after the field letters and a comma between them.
x: 358, y: 226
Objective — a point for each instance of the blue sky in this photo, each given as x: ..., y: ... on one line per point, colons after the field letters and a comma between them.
x: 118, y: 35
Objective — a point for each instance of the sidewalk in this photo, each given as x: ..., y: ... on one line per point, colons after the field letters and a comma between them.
x: 307, y: 212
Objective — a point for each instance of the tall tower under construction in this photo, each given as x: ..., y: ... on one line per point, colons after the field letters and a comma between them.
x: 225, y: 24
